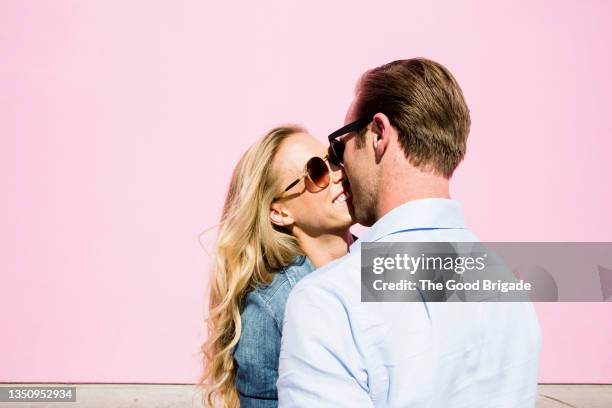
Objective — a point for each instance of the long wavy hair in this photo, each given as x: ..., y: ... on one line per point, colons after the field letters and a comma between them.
x: 247, y: 252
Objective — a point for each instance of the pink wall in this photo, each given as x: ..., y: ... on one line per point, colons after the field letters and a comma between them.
x: 121, y: 122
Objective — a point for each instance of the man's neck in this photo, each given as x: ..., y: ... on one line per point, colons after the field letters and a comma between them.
x: 397, y: 190
x: 324, y: 248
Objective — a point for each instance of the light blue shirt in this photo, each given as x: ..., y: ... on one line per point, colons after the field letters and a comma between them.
x: 339, y: 352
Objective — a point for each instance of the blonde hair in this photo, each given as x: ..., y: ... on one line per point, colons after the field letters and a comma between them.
x: 247, y: 252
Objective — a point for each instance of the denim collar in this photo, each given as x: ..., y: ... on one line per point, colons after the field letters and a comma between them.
x: 299, y: 267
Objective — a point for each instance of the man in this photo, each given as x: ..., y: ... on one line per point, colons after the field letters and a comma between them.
x: 406, y: 133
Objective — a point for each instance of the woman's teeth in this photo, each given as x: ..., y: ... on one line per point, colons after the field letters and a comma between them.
x: 342, y: 197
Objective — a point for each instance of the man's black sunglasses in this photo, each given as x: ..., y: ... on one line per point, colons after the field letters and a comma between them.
x: 335, y: 151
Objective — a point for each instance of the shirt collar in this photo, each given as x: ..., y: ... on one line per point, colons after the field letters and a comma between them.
x: 416, y: 214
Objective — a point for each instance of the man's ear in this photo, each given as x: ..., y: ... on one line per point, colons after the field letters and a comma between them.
x: 280, y: 215
x: 381, y: 127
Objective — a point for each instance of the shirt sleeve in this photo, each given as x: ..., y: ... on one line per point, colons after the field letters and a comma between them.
x: 257, y: 355
x: 320, y: 364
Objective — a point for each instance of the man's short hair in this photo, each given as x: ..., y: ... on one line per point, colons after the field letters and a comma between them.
x: 424, y: 102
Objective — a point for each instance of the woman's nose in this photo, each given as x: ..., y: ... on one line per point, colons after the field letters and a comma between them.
x: 337, y: 172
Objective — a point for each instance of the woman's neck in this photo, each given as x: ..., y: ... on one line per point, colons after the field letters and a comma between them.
x: 324, y: 248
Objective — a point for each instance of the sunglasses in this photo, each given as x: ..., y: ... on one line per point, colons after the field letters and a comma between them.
x: 316, y: 175
x: 335, y: 152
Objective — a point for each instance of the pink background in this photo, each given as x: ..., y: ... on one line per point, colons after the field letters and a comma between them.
x: 122, y: 120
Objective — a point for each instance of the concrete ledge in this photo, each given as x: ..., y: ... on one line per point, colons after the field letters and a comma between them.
x: 574, y: 395
x: 188, y: 396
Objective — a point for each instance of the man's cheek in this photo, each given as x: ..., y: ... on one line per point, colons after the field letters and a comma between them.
x: 349, y: 159
x: 348, y: 172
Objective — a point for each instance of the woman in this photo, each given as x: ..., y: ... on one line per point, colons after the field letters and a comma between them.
x: 286, y: 213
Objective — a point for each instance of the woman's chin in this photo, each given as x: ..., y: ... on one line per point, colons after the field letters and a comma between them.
x: 347, y: 219
x: 347, y: 210
x: 343, y: 209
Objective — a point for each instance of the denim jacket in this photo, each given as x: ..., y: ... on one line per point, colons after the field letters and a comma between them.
x: 257, y: 351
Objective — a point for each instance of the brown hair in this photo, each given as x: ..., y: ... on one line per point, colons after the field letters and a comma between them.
x: 424, y: 103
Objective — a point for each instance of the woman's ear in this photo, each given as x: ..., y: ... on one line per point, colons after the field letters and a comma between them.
x: 280, y: 215
x: 381, y: 127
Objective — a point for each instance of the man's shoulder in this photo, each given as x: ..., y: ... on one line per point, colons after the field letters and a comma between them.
x: 333, y: 284
x: 332, y: 274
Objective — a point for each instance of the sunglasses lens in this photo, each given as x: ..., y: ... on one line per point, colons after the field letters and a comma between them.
x: 318, y: 173
x: 336, y: 152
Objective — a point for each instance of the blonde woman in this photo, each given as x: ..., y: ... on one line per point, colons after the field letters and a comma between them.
x: 287, y: 212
